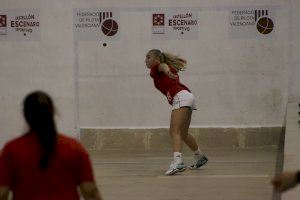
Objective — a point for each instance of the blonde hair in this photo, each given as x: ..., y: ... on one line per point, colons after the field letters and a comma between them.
x: 174, y: 61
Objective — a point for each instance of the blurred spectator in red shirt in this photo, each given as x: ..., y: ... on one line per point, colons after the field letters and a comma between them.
x: 43, y: 164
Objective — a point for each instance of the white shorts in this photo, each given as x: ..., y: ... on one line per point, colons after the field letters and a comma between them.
x: 184, y: 99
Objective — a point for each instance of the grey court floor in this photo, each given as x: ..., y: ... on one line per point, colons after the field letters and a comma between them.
x: 235, y: 174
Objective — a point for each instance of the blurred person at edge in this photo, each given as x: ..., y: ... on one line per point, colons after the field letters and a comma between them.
x: 286, y: 181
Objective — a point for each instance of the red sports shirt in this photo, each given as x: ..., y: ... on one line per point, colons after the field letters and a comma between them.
x: 68, y: 168
x: 167, y: 86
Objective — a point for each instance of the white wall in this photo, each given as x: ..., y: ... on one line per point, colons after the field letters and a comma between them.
x: 237, y: 82
x: 294, y: 84
x: 38, y: 65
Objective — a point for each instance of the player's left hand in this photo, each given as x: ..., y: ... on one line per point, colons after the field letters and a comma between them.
x: 172, y: 75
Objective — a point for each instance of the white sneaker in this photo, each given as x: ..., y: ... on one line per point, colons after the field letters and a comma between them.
x: 175, y: 167
x: 199, y: 163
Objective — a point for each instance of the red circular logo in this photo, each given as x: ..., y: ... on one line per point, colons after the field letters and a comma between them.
x: 265, y: 25
x: 109, y: 27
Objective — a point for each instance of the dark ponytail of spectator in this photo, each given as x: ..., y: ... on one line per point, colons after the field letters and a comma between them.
x: 39, y: 114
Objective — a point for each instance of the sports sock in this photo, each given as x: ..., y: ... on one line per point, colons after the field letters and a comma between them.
x: 198, y: 154
x: 177, y: 157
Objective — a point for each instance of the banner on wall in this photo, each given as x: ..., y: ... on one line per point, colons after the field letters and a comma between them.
x: 251, y: 23
x: 19, y: 24
x: 96, y: 24
x: 175, y: 24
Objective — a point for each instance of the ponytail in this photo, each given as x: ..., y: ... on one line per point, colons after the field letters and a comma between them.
x: 174, y: 61
x: 38, y: 112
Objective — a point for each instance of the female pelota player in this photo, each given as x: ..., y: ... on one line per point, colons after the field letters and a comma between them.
x: 164, y: 68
